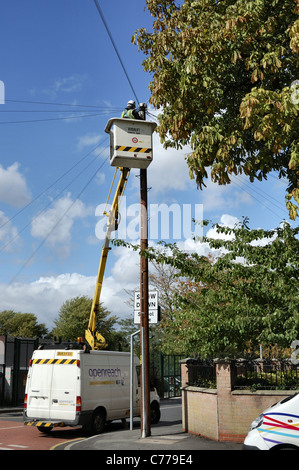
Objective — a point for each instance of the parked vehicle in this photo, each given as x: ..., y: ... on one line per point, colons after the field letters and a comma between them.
x: 277, y: 428
x: 74, y: 387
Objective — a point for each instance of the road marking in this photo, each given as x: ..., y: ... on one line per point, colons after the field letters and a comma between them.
x: 18, y: 446
x: 11, y: 427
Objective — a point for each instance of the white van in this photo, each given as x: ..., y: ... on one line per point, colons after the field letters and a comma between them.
x: 277, y: 428
x: 73, y: 387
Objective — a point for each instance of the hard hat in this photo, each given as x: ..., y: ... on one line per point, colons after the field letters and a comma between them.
x: 131, y: 104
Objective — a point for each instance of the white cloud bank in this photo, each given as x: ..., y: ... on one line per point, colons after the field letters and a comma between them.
x: 13, y: 186
x: 45, y: 296
x: 54, y: 225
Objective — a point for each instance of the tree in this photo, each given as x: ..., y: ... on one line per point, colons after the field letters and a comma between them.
x: 74, y: 316
x: 225, y: 74
x: 244, y: 296
x: 21, y: 324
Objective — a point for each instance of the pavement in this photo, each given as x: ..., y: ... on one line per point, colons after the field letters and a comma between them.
x: 163, y: 438
x: 160, y: 440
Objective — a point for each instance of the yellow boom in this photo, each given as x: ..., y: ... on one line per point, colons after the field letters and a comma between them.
x: 95, y: 339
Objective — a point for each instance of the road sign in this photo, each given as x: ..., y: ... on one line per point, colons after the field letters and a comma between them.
x: 153, y: 307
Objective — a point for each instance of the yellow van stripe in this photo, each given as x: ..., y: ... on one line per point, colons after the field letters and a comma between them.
x: 123, y: 148
x: 43, y: 424
x: 54, y: 361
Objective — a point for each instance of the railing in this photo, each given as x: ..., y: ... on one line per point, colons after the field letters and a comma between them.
x: 201, y: 373
x: 266, y: 375
x: 248, y: 374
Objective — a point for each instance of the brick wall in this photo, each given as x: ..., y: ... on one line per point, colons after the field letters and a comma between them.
x: 223, y: 414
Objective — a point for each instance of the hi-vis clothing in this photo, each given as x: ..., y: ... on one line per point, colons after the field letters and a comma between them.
x: 128, y: 114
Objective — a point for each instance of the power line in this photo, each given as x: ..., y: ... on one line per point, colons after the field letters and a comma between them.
x: 51, y: 119
x: 54, y: 182
x: 56, y: 224
x: 258, y: 200
x: 2, y: 248
x: 115, y: 48
x: 59, y: 104
x: 104, y: 110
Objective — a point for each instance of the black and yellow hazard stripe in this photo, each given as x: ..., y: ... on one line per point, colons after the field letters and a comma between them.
x: 123, y: 148
x: 54, y: 361
x: 43, y: 424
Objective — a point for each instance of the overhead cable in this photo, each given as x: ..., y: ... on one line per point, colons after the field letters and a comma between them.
x: 57, y: 223
x: 115, y: 48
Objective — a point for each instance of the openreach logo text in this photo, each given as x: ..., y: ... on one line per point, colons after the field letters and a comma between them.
x: 2, y: 92
x: 165, y: 222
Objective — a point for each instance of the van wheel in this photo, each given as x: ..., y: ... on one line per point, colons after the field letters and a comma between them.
x: 98, y: 422
x: 44, y: 430
x: 155, y: 413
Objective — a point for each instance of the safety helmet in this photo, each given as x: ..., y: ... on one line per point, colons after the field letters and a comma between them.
x: 131, y: 104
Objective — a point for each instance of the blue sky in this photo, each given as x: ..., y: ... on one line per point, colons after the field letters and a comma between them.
x: 63, y: 81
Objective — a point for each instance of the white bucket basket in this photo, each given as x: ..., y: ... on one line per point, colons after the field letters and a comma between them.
x: 130, y: 142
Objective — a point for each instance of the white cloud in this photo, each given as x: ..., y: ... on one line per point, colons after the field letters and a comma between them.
x: 73, y: 83
x: 13, y: 186
x: 169, y: 170
x: 127, y: 266
x: 226, y: 220
x: 55, y: 225
x: 88, y: 140
x: 69, y: 84
x: 45, y: 296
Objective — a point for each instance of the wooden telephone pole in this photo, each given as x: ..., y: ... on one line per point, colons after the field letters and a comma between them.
x: 144, y: 321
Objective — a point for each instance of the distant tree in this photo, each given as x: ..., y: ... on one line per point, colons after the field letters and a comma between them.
x: 225, y: 75
x: 73, y: 321
x: 21, y: 324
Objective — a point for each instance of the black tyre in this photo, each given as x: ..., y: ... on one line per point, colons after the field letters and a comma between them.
x: 155, y: 413
x: 98, y: 422
x: 44, y: 430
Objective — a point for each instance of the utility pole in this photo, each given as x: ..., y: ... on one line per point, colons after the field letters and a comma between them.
x: 144, y: 322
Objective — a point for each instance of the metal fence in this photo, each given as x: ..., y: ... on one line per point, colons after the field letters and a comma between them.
x: 266, y: 375
x: 248, y: 374
x: 15, y: 355
x: 201, y: 373
x: 166, y: 374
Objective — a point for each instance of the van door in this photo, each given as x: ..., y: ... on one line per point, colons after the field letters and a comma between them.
x: 38, y: 387
x: 65, y: 383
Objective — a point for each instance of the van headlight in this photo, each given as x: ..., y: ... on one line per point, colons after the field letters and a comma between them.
x: 257, y: 422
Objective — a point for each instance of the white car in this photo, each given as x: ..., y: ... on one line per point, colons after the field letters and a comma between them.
x: 277, y: 428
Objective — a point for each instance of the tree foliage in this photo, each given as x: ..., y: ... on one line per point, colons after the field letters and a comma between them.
x: 74, y: 316
x: 21, y: 324
x: 224, y: 73
x: 245, y: 295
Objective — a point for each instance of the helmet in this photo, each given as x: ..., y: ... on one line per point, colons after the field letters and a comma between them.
x: 131, y: 104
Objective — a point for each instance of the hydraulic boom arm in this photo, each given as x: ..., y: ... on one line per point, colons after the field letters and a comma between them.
x: 95, y: 339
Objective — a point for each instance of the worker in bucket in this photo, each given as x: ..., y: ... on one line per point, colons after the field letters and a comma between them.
x: 131, y: 112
